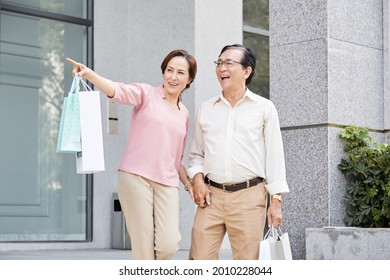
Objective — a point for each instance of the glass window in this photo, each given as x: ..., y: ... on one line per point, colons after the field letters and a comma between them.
x: 255, y: 13
x: 256, y: 37
x: 75, y: 8
x: 42, y: 198
x: 260, y: 80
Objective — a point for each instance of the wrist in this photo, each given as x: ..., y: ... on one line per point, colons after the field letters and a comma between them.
x: 277, y: 196
x: 198, y: 178
x: 187, y: 185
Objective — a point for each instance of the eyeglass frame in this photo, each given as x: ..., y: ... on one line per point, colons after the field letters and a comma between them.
x: 228, y: 63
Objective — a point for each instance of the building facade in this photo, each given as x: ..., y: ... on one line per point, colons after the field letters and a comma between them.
x: 328, y: 67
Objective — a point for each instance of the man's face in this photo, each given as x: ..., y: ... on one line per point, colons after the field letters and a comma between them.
x: 230, y: 73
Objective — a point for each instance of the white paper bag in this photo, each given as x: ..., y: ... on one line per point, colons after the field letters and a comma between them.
x: 265, y: 250
x: 275, y: 246
x: 91, y: 157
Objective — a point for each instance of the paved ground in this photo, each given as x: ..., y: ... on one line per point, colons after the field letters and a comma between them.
x: 95, y: 254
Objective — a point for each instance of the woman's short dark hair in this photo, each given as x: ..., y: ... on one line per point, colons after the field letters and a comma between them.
x: 192, y: 66
x: 247, y: 60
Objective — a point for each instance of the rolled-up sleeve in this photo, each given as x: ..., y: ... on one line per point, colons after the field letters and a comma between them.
x: 274, y: 159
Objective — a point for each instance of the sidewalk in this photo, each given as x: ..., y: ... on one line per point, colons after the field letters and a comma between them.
x: 92, y: 254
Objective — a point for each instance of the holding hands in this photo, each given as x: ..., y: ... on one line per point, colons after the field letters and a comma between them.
x: 201, y: 192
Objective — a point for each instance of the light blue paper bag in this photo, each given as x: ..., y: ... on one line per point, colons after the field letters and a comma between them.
x: 69, y: 133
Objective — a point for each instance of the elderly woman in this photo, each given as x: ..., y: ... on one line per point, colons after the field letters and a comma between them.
x: 151, y: 166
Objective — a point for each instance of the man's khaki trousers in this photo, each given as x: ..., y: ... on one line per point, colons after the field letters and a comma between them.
x: 241, y: 214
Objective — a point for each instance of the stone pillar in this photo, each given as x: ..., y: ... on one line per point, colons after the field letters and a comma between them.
x: 326, y: 72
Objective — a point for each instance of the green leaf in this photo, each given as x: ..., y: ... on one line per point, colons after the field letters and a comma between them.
x: 367, y: 172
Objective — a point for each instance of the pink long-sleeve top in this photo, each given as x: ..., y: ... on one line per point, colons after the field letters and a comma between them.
x: 157, y: 133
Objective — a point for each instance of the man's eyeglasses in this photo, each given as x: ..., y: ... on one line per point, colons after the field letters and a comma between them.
x: 228, y: 63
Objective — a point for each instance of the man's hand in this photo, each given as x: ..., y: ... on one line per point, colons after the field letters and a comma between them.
x: 202, y: 193
x: 274, y: 214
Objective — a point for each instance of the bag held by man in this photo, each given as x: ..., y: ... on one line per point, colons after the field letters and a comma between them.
x: 275, y: 245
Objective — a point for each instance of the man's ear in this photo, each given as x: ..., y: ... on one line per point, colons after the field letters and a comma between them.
x: 248, y: 72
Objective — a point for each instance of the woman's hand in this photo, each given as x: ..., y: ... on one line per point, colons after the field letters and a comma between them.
x: 80, y: 69
x: 104, y: 85
x: 190, y: 188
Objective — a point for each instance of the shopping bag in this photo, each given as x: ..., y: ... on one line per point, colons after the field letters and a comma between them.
x: 265, y: 250
x: 68, y: 140
x: 275, y: 245
x: 91, y: 157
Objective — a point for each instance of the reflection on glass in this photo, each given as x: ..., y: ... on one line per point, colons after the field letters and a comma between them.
x: 42, y: 198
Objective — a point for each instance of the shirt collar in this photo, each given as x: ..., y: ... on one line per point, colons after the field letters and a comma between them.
x: 248, y: 94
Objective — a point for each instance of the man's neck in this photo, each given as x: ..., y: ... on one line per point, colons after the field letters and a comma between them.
x: 234, y: 96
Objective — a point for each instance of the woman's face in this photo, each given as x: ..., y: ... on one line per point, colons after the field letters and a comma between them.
x: 176, y: 75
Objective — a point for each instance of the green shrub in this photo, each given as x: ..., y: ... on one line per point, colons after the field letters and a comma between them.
x: 367, y: 171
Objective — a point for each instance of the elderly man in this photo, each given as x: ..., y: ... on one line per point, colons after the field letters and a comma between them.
x: 236, y: 157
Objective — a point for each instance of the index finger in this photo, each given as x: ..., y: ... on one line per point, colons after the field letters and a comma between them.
x: 74, y: 63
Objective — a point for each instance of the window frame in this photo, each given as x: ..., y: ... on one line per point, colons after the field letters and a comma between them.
x: 88, y: 23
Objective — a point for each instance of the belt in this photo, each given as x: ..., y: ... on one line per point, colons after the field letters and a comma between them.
x: 234, y: 187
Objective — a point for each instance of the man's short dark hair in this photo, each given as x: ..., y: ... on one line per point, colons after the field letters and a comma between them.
x: 248, y: 59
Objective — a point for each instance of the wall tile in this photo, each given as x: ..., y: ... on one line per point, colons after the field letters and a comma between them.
x: 356, y: 21
x: 299, y: 82
x: 307, y: 203
x: 297, y: 21
x: 355, y: 85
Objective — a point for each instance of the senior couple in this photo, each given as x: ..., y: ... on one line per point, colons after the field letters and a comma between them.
x: 236, y: 159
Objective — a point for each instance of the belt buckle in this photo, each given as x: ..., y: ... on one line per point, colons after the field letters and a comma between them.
x: 225, y: 186
x: 248, y: 185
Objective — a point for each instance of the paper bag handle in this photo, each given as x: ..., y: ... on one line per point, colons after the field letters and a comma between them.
x: 274, y: 232
x: 75, y: 88
x: 85, y: 85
